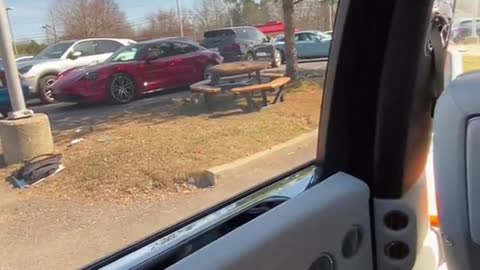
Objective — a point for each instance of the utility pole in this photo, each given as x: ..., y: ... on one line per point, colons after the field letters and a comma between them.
x: 474, y: 20
x: 179, y: 15
x: 11, y: 32
x: 46, y: 27
x: 19, y: 109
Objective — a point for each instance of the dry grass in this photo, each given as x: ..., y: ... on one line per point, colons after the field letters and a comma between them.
x: 149, y: 155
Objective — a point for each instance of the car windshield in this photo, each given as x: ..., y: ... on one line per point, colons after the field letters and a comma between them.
x: 54, y: 51
x: 127, y: 54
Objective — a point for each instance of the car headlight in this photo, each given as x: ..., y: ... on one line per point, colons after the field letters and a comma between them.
x: 90, y: 76
x: 24, y: 70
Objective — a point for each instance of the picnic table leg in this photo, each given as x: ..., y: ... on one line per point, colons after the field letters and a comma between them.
x: 258, y: 76
x: 208, y: 101
x: 265, y: 99
x: 279, y: 95
x: 282, y: 89
x: 250, y: 102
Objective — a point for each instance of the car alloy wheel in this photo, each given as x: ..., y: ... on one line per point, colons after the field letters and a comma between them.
x: 46, y: 91
x: 250, y: 56
x: 122, y: 88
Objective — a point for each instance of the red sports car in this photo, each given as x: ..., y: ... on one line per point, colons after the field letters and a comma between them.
x: 135, y: 70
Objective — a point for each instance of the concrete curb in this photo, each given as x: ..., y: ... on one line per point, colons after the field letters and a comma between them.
x: 294, y: 152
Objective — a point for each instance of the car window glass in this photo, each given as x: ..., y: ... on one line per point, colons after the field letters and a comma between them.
x: 54, y: 51
x: 463, y: 42
x: 133, y: 52
x: 304, y: 37
x: 161, y: 50
x: 183, y: 48
x: 219, y: 33
x: 253, y: 34
x: 242, y: 34
x: 107, y: 46
x: 87, y: 48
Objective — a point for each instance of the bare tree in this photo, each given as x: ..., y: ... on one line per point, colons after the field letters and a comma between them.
x: 211, y: 14
x: 89, y: 18
x: 164, y: 24
x: 310, y: 7
x: 291, y: 51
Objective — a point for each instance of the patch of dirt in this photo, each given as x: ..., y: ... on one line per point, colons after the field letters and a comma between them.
x: 150, y: 154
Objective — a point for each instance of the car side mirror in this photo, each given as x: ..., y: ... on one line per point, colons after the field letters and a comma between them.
x: 267, y: 39
x: 74, y: 55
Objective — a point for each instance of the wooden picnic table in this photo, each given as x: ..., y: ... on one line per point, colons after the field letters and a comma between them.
x: 237, y: 68
x: 224, y: 78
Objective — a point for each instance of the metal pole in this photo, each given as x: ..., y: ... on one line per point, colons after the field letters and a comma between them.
x: 180, y: 20
x: 11, y: 31
x: 474, y: 20
x: 19, y: 109
x: 46, y: 26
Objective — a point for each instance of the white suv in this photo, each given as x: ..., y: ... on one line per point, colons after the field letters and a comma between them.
x: 40, y: 72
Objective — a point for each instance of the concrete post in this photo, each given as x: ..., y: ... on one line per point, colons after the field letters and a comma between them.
x: 25, y: 138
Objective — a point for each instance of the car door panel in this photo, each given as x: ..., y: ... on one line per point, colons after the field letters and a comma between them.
x: 301, y: 49
x: 297, y: 234
x: 307, y: 44
x: 187, y: 63
x: 318, y: 47
x: 193, y: 65
x: 158, y: 74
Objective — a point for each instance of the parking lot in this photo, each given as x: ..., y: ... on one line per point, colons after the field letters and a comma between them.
x: 65, y: 116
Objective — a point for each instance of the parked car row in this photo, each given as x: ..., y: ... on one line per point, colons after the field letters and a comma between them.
x: 118, y: 70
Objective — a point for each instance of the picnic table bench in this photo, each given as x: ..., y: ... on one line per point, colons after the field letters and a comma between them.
x: 236, y: 78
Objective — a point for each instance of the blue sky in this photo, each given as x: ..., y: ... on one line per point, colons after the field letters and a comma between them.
x: 29, y: 15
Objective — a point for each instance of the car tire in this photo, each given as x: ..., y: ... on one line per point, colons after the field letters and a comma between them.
x: 250, y: 56
x: 45, y: 92
x: 277, y: 58
x: 121, y: 89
